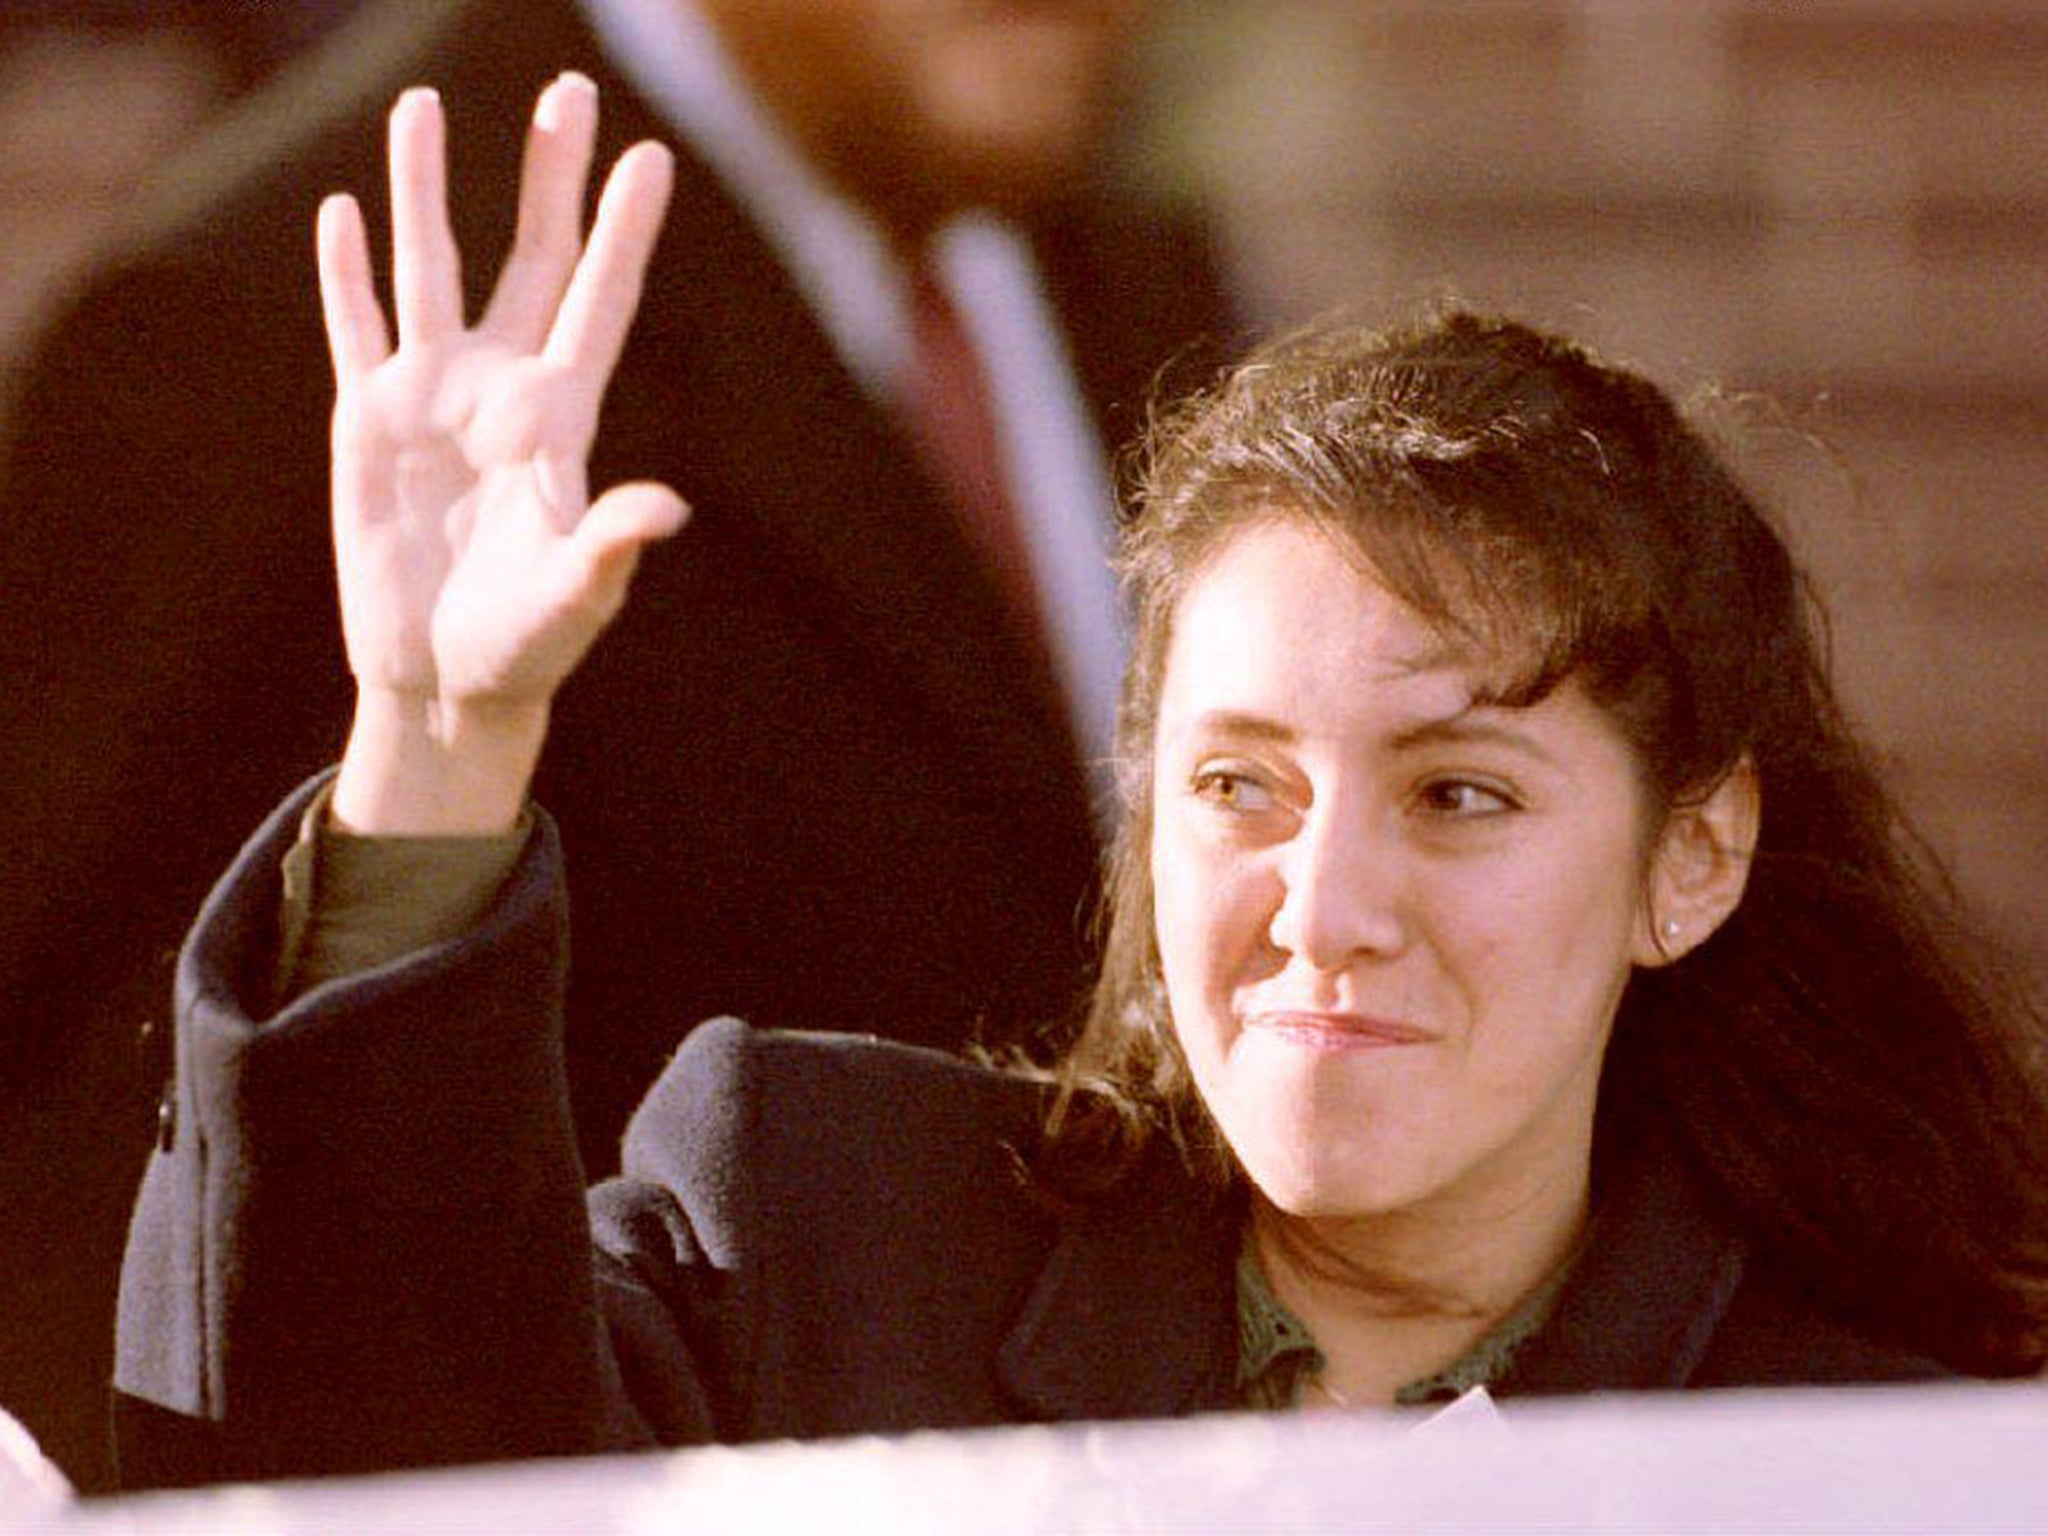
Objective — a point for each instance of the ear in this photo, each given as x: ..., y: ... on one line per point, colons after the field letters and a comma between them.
x: 1700, y: 868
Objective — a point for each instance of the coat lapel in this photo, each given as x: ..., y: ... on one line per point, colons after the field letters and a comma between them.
x: 853, y: 519
x: 1135, y: 1313
x: 1656, y: 1279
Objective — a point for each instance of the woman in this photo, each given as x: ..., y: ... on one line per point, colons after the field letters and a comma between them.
x: 1514, y: 974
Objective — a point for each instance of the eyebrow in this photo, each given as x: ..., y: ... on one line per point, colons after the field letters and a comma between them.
x: 1230, y: 722
x: 1477, y: 721
x: 1473, y: 722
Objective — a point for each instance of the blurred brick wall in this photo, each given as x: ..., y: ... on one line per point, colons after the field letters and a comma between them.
x: 1839, y: 205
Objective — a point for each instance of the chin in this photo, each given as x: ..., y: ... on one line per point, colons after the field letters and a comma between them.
x: 1008, y: 161
x: 1315, y: 1188
x: 1011, y: 185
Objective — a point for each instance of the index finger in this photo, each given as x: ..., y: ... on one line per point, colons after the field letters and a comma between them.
x: 590, y: 328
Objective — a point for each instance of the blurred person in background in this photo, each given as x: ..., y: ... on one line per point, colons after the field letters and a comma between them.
x: 850, y: 750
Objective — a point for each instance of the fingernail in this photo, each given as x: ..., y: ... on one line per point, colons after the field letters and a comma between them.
x: 548, y: 113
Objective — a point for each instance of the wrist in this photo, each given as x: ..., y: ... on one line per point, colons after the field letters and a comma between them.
x: 421, y: 766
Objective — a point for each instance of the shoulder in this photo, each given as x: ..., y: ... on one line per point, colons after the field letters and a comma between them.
x: 1774, y: 1334
x: 194, y: 341
x: 1673, y: 1292
x: 1093, y: 234
x: 812, y: 1118
x: 315, y: 126
x: 1141, y: 288
x: 208, y: 275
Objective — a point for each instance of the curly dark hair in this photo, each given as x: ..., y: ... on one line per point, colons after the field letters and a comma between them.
x: 1844, y: 1061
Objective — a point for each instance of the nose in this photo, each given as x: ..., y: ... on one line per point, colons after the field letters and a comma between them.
x: 1341, y: 897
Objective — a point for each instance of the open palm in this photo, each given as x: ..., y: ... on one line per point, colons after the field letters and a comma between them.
x: 472, y: 565
x: 474, y: 569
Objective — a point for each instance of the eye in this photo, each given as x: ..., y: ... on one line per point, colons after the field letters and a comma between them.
x: 1231, y: 789
x: 1465, y: 799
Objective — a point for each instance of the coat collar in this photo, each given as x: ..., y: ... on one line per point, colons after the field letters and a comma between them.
x: 1134, y: 1314
x: 1658, y: 1275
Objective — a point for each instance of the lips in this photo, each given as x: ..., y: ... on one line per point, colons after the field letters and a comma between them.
x: 1337, y: 1031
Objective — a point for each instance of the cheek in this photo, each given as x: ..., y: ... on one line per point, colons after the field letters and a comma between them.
x: 1208, y: 925
x: 1177, y: 911
x: 1542, y: 961
x: 1209, y: 910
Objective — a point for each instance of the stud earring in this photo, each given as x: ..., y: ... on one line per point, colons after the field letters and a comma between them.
x: 1672, y: 929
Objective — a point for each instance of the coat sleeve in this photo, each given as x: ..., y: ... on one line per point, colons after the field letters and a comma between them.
x: 364, y: 1242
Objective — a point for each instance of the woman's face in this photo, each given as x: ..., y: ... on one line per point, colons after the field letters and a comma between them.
x: 1394, y: 924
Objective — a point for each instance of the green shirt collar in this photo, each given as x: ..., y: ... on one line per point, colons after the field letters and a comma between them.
x: 1277, y: 1356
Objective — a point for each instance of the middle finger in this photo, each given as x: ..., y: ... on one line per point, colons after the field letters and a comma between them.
x: 426, y: 271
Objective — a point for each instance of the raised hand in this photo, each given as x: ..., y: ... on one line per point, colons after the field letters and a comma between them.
x: 474, y: 570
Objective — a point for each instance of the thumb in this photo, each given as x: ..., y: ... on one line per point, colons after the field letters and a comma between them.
x: 626, y: 518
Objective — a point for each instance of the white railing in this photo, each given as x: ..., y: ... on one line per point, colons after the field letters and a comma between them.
x: 1965, y: 1458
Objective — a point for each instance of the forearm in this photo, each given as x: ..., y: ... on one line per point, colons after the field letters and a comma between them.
x: 363, y: 1243
x: 366, y: 1243
x: 419, y: 767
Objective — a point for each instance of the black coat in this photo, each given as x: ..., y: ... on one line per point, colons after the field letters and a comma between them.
x: 812, y: 775
x: 365, y: 1245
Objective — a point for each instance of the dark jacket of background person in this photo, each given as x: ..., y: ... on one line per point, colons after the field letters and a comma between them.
x: 810, y: 724
x: 365, y: 1245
